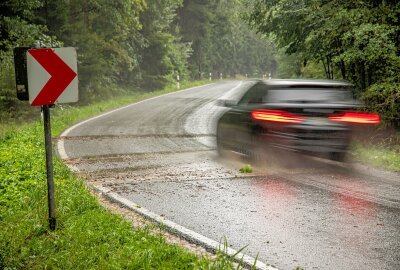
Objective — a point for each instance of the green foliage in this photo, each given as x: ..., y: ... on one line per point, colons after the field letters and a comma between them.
x: 384, y: 155
x: 246, y: 169
x: 18, y: 175
x: 133, y: 43
x: 222, y: 42
x: 194, y: 20
x: 290, y: 66
x: 10, y: 106
x: 106, y: 36
x: 354, y: 40
x: 16, y: 29
x: 164, y: 55
x: 384, y: 98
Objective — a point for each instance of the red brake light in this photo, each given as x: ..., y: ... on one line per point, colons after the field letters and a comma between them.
x: 276, y: 116
x: 356, y: 117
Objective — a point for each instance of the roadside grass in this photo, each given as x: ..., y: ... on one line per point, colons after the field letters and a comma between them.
x: 380, y: 156
x: 378, y: 147
x: 88, y: 236
x: 246, y: 169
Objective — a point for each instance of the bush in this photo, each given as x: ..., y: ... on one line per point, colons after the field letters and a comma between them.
x: 153, y: 82
x: 384, y: 98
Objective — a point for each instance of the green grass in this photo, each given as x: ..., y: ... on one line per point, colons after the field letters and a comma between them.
x: 378, y: 147
x: 246, y: 169
x: 88, y: 236
x: 378, y: 155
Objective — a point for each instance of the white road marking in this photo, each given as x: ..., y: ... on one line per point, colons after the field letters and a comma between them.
x: 60, y: 144
x: 184, y: 232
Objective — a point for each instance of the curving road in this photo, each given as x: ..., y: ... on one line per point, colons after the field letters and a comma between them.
x: 160, y: 154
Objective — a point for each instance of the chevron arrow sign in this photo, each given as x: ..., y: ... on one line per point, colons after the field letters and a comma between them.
x: 52, y: 76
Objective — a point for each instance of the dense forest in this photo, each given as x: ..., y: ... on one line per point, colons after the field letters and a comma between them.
x: 146, y: 44
x: 357, y: 41
x: 133, y: 44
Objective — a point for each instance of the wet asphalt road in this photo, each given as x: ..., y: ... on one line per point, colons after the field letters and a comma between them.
x: 161, y: 154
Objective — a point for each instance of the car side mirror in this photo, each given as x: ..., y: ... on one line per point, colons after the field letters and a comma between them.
x: 226, y: 103
x: 230, y: 103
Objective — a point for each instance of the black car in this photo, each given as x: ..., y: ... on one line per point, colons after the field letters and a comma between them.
x: 307, y: 116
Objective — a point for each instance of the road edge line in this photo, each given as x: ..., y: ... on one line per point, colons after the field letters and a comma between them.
x: 60, y: 142
x: 171, y: 226
x: 181, y: 231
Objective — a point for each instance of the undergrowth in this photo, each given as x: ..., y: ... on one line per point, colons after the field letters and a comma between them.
x: 379, y: 148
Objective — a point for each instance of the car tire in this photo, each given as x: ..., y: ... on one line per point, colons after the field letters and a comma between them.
x: 257, y: 151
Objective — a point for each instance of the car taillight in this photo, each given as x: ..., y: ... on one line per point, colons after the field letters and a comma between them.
x: 356, y: 117
x: 276, y: 116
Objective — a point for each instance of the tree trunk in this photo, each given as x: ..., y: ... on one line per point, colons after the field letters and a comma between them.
x: 329, y: 69
x: 370, y: 72
x: 325, y: 69
x: 343, y: 69
x: 362, y: 77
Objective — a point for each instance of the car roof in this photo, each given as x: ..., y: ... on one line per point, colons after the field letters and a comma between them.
x: 312, y: 83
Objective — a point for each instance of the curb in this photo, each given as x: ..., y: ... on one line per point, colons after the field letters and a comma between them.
x: 187, y: 234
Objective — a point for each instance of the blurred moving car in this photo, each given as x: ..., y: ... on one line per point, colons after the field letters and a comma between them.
x: 307, y: 116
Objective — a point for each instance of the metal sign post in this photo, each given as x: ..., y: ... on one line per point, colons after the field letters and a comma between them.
x: 52, y: 78
x: 46, y: 76
x: 49, y: 167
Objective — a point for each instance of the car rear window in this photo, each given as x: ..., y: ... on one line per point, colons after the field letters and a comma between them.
x: 304, y: 95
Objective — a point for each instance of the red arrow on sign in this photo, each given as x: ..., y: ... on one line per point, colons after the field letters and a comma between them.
x: 61, y: 76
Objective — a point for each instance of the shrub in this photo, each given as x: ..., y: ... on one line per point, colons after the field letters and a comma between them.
x: 384, y: 98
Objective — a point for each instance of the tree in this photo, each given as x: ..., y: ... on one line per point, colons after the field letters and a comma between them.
x: 16, y: 29
x: 135, y: 43
x: 106, y: 35
x: 355, y: 40
x: 164, y: 55
x: 221, y: 40
x: 194, y: 20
